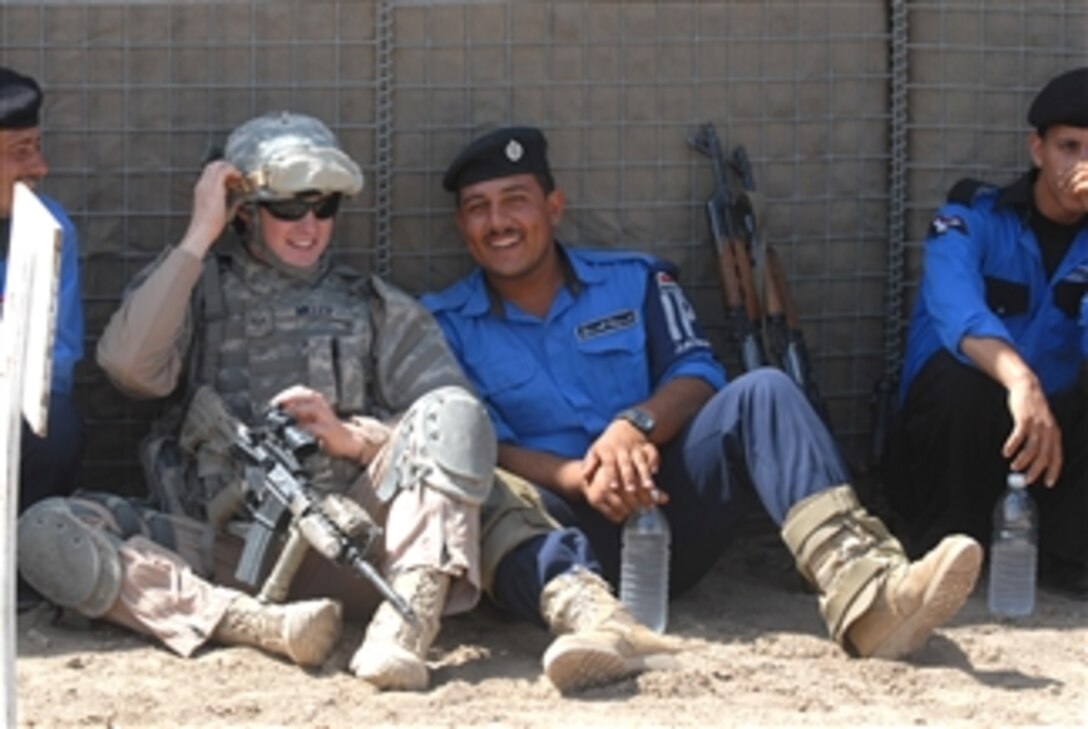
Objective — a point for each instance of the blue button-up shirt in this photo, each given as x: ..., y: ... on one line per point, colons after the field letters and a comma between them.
x: 984, y: 277
x: 618, y: 330
x: 68, y: 339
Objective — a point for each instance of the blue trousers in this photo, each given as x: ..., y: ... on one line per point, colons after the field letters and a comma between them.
x: 756, y: 444
x: 47, y: 466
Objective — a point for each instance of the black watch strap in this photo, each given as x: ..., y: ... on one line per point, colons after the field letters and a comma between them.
x: 639, y: 418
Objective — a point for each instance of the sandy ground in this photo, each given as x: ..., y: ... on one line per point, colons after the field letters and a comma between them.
x: 755, y: 655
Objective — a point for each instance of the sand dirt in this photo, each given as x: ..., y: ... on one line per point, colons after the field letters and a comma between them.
x: 755, y: 654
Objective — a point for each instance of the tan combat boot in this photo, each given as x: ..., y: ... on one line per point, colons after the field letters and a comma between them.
x: 393, y: 652
x: 303, y: 631
x: 599, y: 642
x: 874, y: 600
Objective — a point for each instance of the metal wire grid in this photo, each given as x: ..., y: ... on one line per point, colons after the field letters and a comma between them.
x: 619, y: 87
x: 136, y: 95
x: 136, y: 90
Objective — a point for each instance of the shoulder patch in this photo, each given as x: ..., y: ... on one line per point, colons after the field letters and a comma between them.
x: 941, y: 224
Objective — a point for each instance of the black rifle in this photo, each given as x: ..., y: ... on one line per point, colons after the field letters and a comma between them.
x: 732, y: 225
x: 278, y: 497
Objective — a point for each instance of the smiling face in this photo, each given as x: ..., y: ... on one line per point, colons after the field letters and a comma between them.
x: 21, y: 160
x: 508, y: 226
x: 296, y: 243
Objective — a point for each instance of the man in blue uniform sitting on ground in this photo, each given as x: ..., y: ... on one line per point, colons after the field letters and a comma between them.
x: 997, y: 343
x: 48, y: 464
x: 604, y: 394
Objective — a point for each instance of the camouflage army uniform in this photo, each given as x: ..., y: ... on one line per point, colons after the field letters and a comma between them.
x: 369, y: 348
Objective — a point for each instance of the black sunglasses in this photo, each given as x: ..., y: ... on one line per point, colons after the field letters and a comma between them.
x: 296, y: 208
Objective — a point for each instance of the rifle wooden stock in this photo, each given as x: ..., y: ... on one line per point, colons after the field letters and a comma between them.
x: 728, y: 213
x: 752, y: 354
x: 727, y: 276
x: 795, y: 358
x: 774, y: 323
x: 747, y: 280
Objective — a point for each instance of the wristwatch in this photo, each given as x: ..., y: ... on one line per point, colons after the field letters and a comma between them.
x: 639, y: 418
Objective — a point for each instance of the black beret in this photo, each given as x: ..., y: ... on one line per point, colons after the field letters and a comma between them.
x: 20, y: 100
x: 501, y: 153
x: 1064, y: 100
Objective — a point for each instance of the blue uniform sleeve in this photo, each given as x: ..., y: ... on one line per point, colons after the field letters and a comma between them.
x: 503, y: 432
x: 674, y: 340
x: 953, y: 290
x: 68, y: 342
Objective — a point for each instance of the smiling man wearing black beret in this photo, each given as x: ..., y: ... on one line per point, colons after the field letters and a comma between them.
x: 47, y: 465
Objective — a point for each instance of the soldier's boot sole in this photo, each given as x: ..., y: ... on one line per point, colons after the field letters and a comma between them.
x: 577, y: 661
x: 928, y: 594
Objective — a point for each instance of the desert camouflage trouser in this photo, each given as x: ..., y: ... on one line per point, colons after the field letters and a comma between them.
x: 178, y: 573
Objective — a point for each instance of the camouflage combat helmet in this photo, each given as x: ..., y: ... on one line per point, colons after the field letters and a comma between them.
x: 282, y: 154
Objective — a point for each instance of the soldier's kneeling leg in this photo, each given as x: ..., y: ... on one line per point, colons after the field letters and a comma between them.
x: 443, y: 445
x: 68, y: 561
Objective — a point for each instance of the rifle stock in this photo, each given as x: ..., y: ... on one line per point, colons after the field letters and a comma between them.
x: 752, y: 353
x: 725, y: 214
x: 795, y: 358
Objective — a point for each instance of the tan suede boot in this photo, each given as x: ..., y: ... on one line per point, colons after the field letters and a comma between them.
x: 874, y: 600
x: 392, y: 656
x: 303, y: 631
x: 599, y: 642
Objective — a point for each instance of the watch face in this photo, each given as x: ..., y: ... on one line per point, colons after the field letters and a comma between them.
x: 638, y: 418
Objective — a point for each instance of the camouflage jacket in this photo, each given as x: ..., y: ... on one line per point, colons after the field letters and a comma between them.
x: 250, y: 332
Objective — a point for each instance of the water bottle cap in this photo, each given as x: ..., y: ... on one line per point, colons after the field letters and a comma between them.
x: 1016, y: 481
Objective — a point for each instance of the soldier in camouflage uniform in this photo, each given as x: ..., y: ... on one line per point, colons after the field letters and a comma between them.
x: 268, y: 318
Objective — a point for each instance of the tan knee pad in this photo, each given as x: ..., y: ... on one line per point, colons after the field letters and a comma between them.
x: 68, y: 561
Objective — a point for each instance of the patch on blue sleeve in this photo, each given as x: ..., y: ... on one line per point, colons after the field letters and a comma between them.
x: 941, y: 224
x: 679, y: 316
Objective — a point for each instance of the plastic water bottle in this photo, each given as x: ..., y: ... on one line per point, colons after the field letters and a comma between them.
x: 644, y: 572
x: 1013, y: 551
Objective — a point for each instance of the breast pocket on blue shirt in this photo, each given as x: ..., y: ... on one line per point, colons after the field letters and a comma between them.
x: 613, y: 370
x: 515, y: 389
x: 1007, y: 299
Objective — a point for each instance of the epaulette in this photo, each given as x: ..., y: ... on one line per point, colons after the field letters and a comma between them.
x: 965, y: 191
x: 614, y: 255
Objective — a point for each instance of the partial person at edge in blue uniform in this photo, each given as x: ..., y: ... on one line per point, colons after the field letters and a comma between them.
x: 48, y: 465
x: 994, y: 378
x: 605, y: 395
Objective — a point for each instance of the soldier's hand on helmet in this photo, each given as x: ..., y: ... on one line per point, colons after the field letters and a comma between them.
x: 313, y: 414
x: 1035, y: 444
x: 212, y: 206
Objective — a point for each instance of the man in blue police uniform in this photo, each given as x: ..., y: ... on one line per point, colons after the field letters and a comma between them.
x: 49, y: 464
x: 604, y: 395
x: 997, y: 343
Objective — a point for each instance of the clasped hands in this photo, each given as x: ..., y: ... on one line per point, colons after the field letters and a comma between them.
x: 616, y: 476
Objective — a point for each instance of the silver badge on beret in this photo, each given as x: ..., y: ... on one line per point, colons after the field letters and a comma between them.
x: 514, y: 150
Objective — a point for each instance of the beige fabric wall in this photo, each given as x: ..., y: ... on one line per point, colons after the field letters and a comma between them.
x: 137, y: 92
